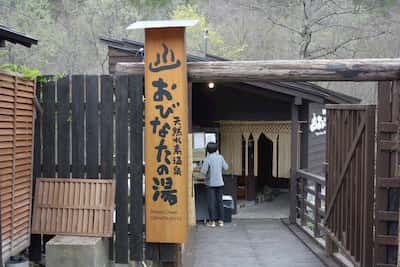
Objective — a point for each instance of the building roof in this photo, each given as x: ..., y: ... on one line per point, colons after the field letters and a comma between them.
x: 10, y: 35
x: 306, y: 90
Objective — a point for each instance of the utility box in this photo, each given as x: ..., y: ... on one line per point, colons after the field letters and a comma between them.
x: 229, y: 206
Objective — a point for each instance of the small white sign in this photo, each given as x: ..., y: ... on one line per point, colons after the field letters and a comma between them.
x: 211, y: 137
x: 318, y: 123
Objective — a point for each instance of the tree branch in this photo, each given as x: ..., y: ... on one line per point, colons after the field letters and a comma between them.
x: 270, y: 19
x: 335, y: 26
x: 318, y: 20
x: 333, y: 50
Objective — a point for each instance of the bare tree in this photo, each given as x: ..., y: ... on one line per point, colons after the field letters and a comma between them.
x: 321, y: 28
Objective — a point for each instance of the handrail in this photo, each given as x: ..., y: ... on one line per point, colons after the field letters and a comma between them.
x: 311, y: 176
x: 310, y: 207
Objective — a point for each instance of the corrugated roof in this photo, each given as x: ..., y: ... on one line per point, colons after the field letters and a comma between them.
x: 306, y: 90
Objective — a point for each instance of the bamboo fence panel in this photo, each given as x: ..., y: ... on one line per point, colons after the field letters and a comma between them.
x: 81, y: 207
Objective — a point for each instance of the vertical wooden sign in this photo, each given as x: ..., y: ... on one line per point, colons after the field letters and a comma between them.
x: 166, y: 133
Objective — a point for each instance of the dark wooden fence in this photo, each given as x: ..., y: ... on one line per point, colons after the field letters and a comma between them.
x: 387, y: 175
x: 91, y: 127
x: 350, y: 182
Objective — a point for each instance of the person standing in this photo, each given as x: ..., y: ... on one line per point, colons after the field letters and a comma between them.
x: 212, y: 168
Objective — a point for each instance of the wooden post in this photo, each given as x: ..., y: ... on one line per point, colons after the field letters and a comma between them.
x: 303, y: 193
x: 317, y: 205
x: 35, y: 249
x: 368, y: 219
x: 293, y: 162
x: 383, y: 166
x: 135, y: 92
x: 329, y: 245
x: 121, y: 172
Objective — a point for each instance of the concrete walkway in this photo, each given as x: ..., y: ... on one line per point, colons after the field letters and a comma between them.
x: 276, y: 209
x: 251, y: 243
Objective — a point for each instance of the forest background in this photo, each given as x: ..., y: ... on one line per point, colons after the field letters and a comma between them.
x: 69, y: 31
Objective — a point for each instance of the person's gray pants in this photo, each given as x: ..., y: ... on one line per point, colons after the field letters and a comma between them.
x: 215, y: 202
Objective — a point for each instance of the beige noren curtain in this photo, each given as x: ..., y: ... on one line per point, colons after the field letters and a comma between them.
x: 231, y: 145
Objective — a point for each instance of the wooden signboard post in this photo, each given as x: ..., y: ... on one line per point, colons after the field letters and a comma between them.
x: 166, y: 130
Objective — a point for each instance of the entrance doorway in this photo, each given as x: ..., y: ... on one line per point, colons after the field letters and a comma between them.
x: 265, y: 154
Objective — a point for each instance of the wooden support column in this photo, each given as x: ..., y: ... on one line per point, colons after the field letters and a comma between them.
x: 304, y: 127
x: 293, y: 162
x: 191, y: 198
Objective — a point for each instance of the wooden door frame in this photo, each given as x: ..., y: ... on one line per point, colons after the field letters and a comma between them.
x: 354, y: 70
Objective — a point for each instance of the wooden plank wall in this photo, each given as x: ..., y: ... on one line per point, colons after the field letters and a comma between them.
x: 16, y: 142
x: 115, y: 56
x: 92, y: 128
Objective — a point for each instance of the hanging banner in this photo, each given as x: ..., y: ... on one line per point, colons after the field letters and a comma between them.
x: 166, y: 118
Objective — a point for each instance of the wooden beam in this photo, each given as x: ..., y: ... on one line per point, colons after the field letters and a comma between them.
x: 286, y: 70
x: 298, y: 101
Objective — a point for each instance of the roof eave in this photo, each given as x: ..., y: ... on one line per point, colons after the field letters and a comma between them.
x: 12, y: 36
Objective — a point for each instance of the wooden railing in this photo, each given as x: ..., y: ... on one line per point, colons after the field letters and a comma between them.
x: 311, y: 204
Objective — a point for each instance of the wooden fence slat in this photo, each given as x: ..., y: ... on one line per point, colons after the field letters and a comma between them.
x: 358, y: 181
x: 35, y: 249
x: 121, y: 237
x: 168, y: 252
x: 106, y: 127
x: 369, y: 186
x: 387, y: 216
x: 389, y: 240
x: 49, y: 168
x: 135, y: 92
x: 386, y: 182
x: 77, y: 126
x: 63, y: 127
x: 107, y: 135
x: 152, y: 251
x: 350, y: 217
x: 92, y: 133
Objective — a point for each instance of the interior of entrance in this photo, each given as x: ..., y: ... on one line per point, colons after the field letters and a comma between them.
x: 252, y: 129
x: 271, y: 194
x: 265, y: 152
